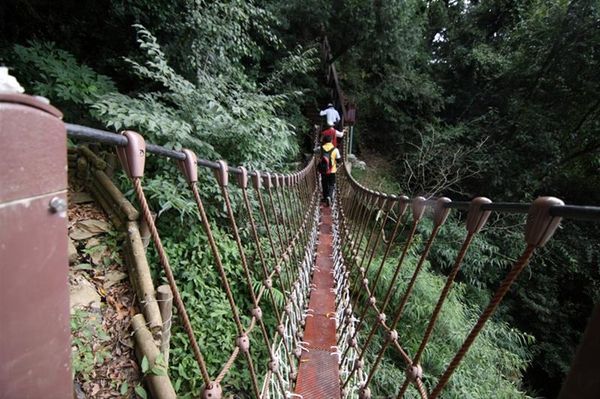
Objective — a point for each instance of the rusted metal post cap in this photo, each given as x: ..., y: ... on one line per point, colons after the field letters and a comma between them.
x: 133, y: 155
x: 214, y: 391
x: 189, y: 166
x: 267, y: 180
x: 403, y: 200
x: 222, y: 174
x: 257, y: 180
x: 243, y: 342
x: 476, y: 218
x: 413, y: 372
x: 242, y: 178
x: 540, y: 224
x: 441, y: 211
x: 418, y: 208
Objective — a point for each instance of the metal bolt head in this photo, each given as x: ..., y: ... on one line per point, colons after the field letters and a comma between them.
x: 59, y: 206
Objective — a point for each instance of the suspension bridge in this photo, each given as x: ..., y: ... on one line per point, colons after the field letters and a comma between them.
x: 328, y: 261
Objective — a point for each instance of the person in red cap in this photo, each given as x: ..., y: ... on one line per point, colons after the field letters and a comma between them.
x: 332, y: 132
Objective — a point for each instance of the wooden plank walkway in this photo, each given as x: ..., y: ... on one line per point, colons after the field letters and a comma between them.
x: 318, y: 373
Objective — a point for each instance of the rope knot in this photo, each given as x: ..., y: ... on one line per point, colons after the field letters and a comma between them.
x: 359, y: 364
x: 413, y: 372
x: 214, y: 391
x: 364, y: 393
x: 281, y: 330
x: 392, y: 336
x: 257, y: 313
x: 243, y: 342
x: 352, y: 342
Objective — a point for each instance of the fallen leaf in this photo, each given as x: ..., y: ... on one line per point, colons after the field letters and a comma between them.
x: 80, y: 197
x: 95, y: 389
x: 113, y: 277
x: 89, y: 228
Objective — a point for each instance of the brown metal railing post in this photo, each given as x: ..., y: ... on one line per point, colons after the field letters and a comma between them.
x: 35, y: 347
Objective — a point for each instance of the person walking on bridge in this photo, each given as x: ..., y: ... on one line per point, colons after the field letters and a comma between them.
x: 332, y: 132
x: 327, y: 167
x: 331, y: 115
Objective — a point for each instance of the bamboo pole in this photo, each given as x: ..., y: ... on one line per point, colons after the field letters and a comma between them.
x: 159, y: 385
x: 165, y: 304
x: 92, y: 157
x: 117, y: 198
x: 101, y: 197
x: 145, y: 287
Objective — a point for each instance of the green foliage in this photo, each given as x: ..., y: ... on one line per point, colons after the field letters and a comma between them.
x: 213, y: 117
x: 86, y: 329
x: 51, y: 72
x: 500, y: 350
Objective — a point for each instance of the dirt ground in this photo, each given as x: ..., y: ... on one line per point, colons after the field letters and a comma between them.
x: 102, y: 304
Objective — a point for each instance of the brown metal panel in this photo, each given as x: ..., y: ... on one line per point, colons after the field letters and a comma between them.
x: 34, y: 297
x: 33, y: 149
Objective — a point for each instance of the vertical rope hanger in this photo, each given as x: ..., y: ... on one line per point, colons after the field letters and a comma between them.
x: 476, y: 219
x: 132, y: 159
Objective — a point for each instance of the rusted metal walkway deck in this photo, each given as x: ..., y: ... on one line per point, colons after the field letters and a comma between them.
x: 318, y: 374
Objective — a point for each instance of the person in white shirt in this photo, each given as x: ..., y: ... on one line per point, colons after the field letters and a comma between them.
x: 331, y: 114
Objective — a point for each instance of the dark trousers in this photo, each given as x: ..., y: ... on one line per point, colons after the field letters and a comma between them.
x: 328, y: 184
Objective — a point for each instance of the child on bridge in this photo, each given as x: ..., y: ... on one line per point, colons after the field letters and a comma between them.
x: 327, y: 167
